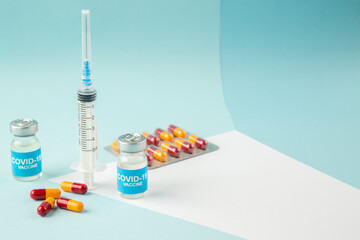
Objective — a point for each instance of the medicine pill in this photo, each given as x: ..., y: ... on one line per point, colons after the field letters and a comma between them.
x: 115, y: 146
x: 150, y: 139
x: 170, y: 149
x: 178, y: 132
x: 46, y: 206
x: 74, y: 187
x: 184, y: 145
x: 70, y: 204
x: 150, y: 159
x: 42, y: 194
x: 199, y: 142
x: 163, y: 135
x: 157, y: 153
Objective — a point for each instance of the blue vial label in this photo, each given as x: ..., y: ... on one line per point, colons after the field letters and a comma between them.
x: 132, y: 181
x: 26, y: 164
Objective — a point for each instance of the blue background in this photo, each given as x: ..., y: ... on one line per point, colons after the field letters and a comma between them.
x: 291, y: 77
x: 289, y: 71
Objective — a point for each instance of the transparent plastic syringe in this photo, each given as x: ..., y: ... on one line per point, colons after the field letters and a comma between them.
x: 87, y: 117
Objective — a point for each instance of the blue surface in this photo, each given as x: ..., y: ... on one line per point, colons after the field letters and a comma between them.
x: 290, y: 72
x: 151, y: 61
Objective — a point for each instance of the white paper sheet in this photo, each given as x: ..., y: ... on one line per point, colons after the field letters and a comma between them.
x: 249, y: 190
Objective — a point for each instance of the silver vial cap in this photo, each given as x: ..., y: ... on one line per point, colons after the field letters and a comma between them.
x: 24, y: 127
x: 132, y: 142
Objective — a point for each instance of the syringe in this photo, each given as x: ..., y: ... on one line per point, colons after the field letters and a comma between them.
x: 87, y: 120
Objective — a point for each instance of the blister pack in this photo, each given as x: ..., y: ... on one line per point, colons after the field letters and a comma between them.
x: 171, y: 146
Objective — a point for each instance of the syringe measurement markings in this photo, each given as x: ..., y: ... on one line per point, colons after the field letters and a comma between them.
x: 84, y: 114
x: 87, y: 132
x: 84, y: 128
x: 87, y: 139
x: 84, y: 106
x: 84, y: 125
x: 86, y: 117
x: 87, y: 150
x: 86, y: 136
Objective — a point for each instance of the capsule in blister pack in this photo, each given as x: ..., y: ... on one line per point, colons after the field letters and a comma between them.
x: 157, y: 153
x: 178, y: 132
x: 170, y: 146
x: 170, y: 149
x: 150, y: 139
x: 199, y: 142
x: 163, y: 135
x: 184, y: 145
x: 115, y: 146
x: 150, y: 159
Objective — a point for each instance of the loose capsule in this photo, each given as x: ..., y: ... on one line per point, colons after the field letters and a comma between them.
x: 46, y: 206
x: 74, y: 187
x: 184, y: 145
x: 170, y: 149
x: 165, y: 136
x: 69, y: 204
x: 42, y: 194
x: 115, y: 146
x: 150, y: 159
x: 157, y: 153
x: 150, y: 139
x: 178, y: 132
x: 199, y: 142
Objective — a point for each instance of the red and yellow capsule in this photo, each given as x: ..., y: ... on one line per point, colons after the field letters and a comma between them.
x: 178, y: 132
x: 170, y: 149
x: 150, y: 139
x: 115, y: 146
x: 42, y: 194
x: 150, y: 159
x: 184, y: 145
x: 73, y: 187
x: 157, y: 153
x: 199, y: 142
x: 46, y: 206
x: 163, y: 135
x: 69, y: 204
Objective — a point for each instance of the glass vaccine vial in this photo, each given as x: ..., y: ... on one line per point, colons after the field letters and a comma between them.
x: 132, y: 166
x: 26, y: 158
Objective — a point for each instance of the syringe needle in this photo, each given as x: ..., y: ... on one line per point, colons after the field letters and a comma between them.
x: 86, y: 83
x: 86, y: 36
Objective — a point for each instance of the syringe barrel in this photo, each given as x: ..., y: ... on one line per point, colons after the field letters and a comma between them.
x: 87, y: 132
